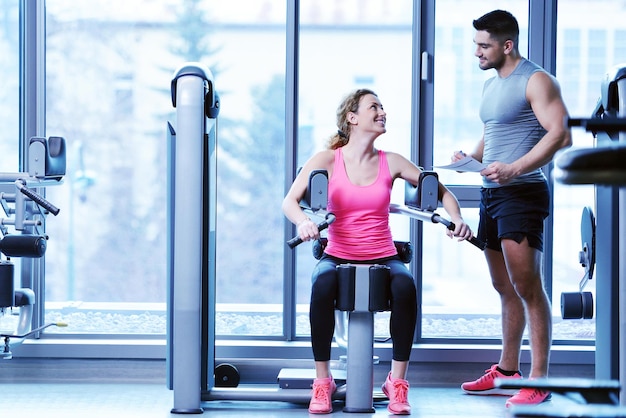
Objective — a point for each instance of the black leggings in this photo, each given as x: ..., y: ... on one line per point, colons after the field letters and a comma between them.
x: 322, y: 308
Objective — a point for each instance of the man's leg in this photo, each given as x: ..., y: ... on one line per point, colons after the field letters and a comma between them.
x: 513, y: 324
x: 524, y: 266
x: 513, y: 315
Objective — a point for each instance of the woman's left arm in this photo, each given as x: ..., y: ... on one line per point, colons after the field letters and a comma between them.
x: 401, y: 167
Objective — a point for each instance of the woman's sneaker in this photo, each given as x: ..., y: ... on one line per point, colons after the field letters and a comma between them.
x: 485, y: 384
x: 528, y: 396
x: 322, y: 397
x: 397, y: 390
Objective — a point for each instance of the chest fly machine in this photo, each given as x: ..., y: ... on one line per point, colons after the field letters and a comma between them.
x: 192, y: 373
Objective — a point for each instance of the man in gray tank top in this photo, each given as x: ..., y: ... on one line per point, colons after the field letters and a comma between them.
x: 523, y: 115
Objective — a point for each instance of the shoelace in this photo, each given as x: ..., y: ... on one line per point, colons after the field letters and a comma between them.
x: 320, y: 393
x: 534, y: 393
x: 400, y: 389
x: 490, y: 374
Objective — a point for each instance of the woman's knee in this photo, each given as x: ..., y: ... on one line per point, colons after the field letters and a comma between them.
x: 324, y: 281
x: 403, y: 293
x: 402, y: 282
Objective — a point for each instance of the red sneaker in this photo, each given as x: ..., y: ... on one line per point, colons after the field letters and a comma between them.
x: 397, y: 391
x: 528, y: 396
x: 322, y: 397
x: 484, y: 385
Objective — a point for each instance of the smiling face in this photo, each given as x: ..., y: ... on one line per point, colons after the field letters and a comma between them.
x: 490, y: 52
x: 370, y: 115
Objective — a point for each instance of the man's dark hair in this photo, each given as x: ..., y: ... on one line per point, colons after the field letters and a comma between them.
x: 500, y: 24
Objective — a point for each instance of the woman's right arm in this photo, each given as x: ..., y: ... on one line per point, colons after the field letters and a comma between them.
x: 307, y: 229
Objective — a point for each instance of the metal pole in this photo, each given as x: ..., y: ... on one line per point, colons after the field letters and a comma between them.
x: 621, y: 85
x: 187, y: 191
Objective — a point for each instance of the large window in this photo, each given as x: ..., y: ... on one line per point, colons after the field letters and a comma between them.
x: 250, y: 75
x: 108, y: 70
x: 9, y: 117
x: 458, y: 299
x: 586, y: 50
x: 109, y: 67
x: 9, y: 95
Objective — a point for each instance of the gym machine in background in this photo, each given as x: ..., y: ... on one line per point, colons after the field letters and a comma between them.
x: 22, y: 232
x: 603, y: 168
x: 191, y: 242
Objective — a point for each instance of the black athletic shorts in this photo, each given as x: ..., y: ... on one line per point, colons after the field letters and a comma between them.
x: 513, y: 212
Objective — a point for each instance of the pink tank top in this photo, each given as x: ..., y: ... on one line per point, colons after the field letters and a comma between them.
x: 361, y: 231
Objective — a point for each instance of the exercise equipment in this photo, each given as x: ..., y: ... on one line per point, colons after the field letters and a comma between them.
x: 604, y: 167
x: 191, y: 370
x: 315, y: 201
x: 358, y: 284
x: 421, y: 201
x: 426, y: 216
x: 25, y: 298
x: 21, y: 231
x: 362, y: 290
x: 590, y: 398
x: 191, y: 257
x: 577, y: 305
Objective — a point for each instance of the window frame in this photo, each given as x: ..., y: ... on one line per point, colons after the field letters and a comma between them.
x: 542, y: 31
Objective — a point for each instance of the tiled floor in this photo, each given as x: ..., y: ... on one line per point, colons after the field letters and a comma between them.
x: 26, y: 392
x: 86, y: 400
x: 149, y: 400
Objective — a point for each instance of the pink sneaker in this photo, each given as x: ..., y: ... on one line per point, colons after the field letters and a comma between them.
x: 484, y: 385
x: 397, y: 391
x: 322, y: 397
x: 528, y: 396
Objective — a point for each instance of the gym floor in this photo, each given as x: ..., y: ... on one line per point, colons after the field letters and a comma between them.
x: 102, y: 388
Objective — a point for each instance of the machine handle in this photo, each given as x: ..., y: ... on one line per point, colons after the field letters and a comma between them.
x: 330, y: 218
x: 37, y: 198
x: 432, y: 217
x: 450, y: 225
x: 595, y: 124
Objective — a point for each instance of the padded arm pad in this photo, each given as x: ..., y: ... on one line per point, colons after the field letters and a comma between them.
x: 47, y: 157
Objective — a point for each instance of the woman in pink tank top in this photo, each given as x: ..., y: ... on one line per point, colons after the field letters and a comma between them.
x: 359, y: 193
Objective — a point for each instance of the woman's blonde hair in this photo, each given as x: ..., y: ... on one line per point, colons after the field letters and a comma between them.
x: 349, y: 104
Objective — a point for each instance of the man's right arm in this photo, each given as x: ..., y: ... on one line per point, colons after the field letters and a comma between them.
x: 477, y: 153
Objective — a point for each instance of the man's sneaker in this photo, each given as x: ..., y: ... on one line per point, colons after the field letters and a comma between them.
x: 322, y: 397
x: 485, y: 384
x: 528, y: 396
x: 397, y: 391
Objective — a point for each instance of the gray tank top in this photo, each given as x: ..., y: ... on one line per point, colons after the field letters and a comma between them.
x: 511, y: 128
